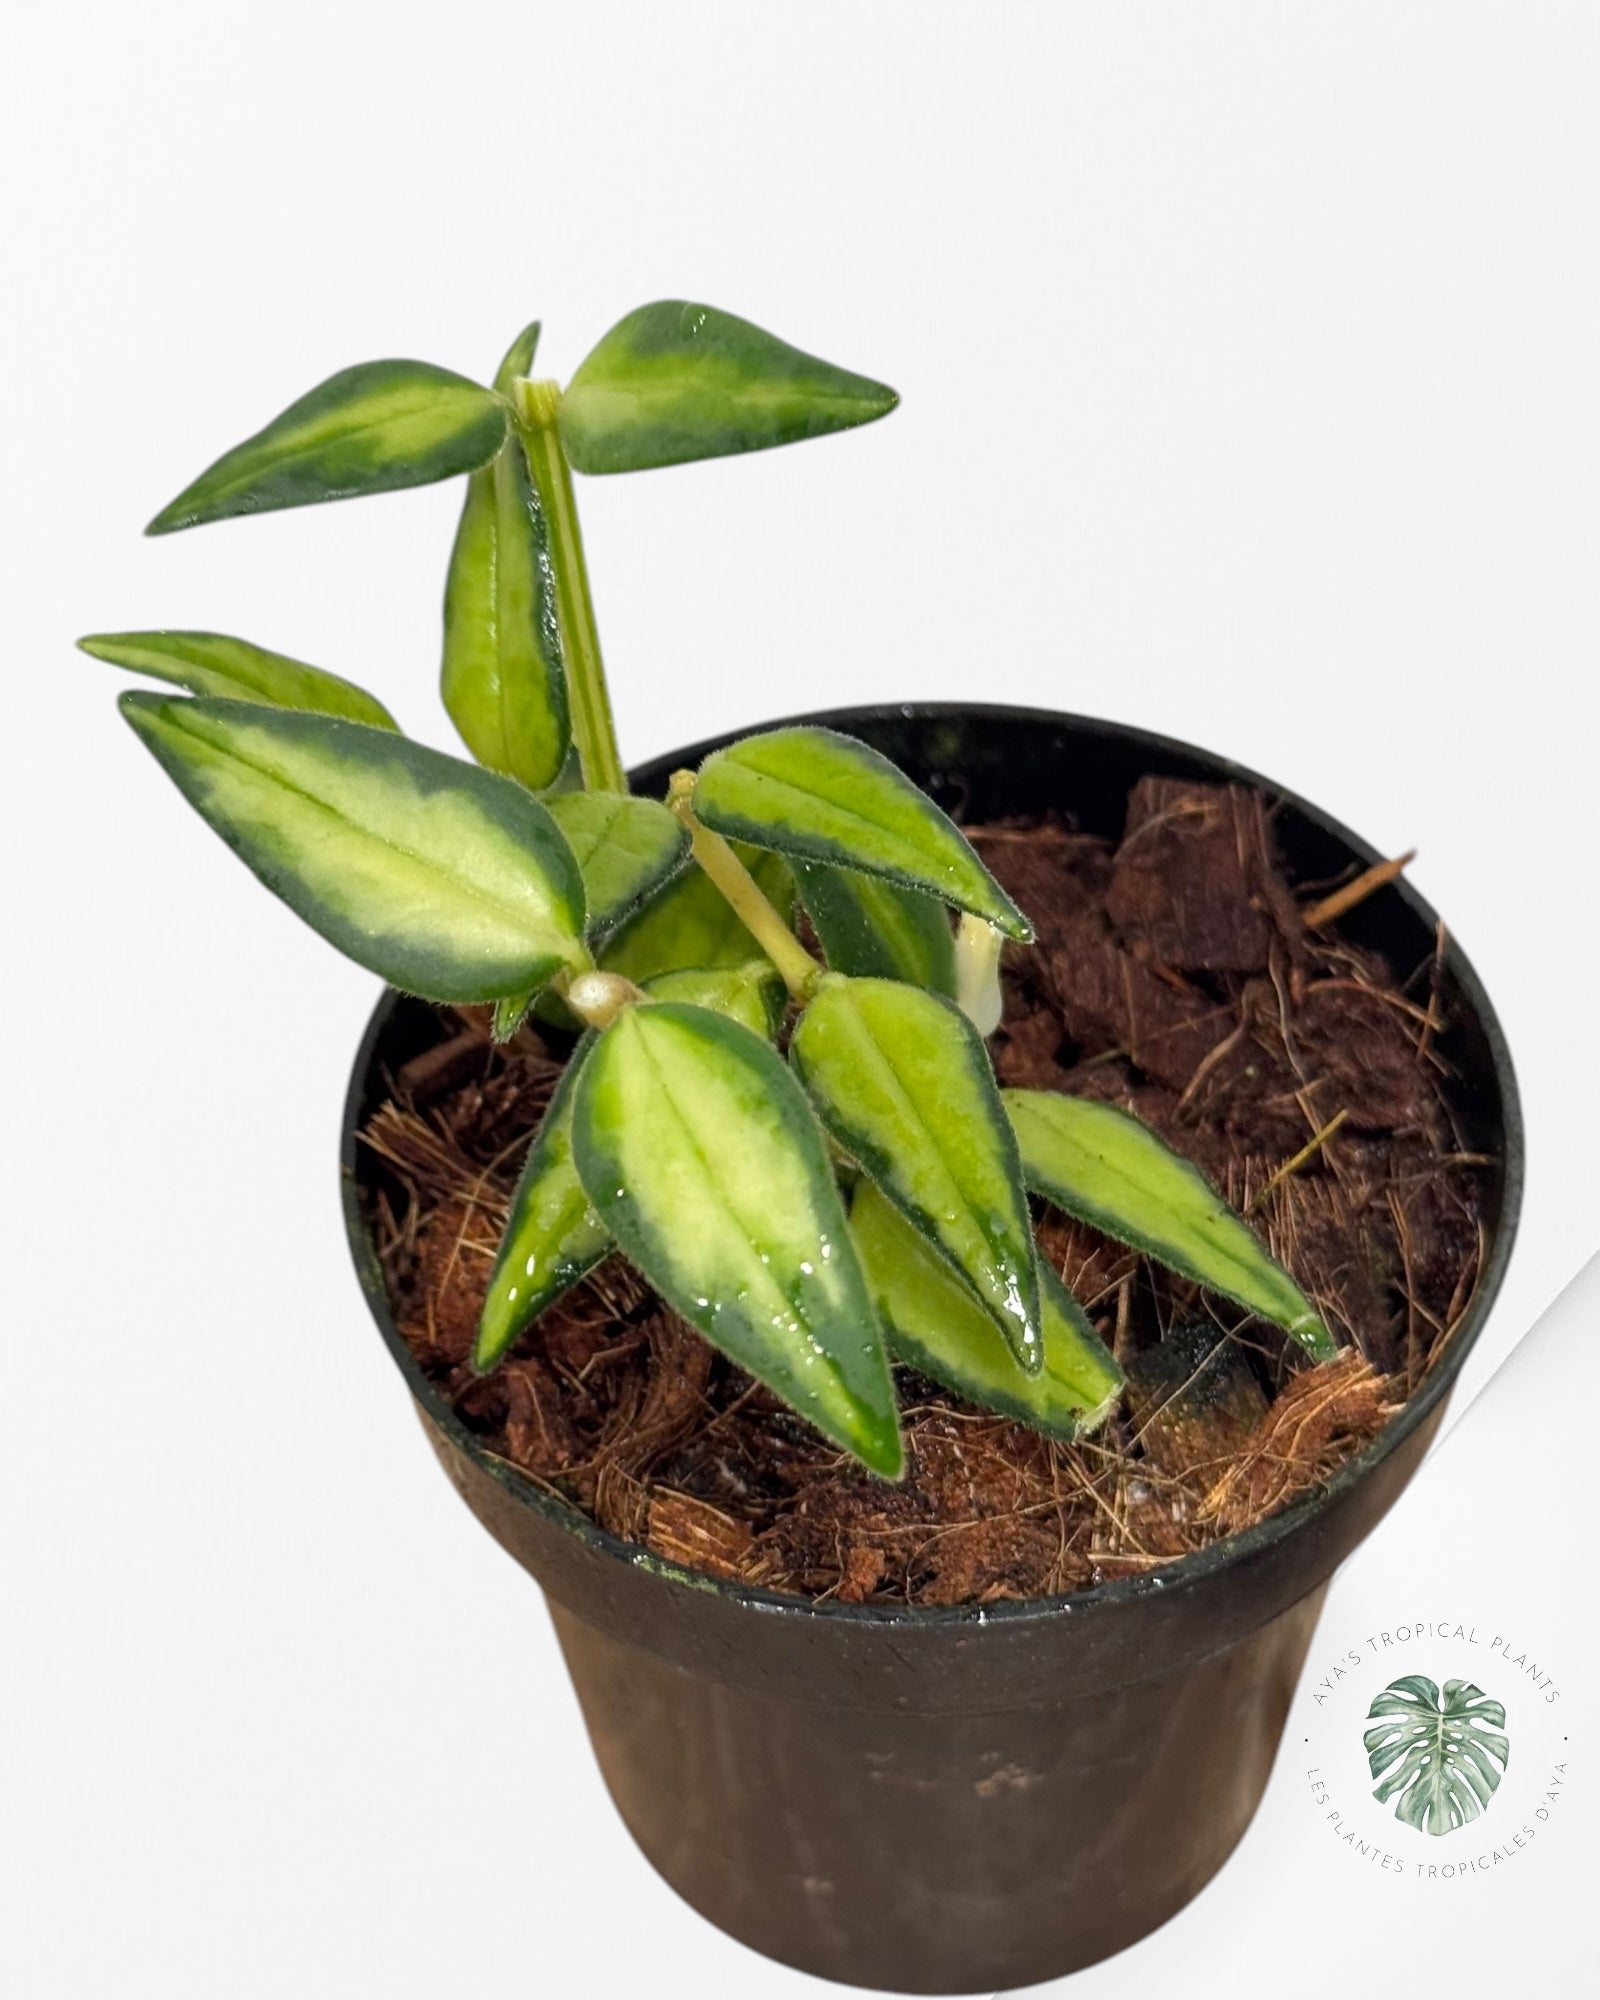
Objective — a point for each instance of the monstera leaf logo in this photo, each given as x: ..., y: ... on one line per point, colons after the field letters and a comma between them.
x: 1442, y: 1754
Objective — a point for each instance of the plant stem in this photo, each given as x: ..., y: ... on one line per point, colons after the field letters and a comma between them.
x: 537, y: 405
x: 799, y: 970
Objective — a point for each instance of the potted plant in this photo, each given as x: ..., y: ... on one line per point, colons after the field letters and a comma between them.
x: 760, y: 992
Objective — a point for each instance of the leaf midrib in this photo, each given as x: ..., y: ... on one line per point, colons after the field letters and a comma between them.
x: 472, y: 888
x: 723, y: 1201
x: 909, y: 1104
x: 262, y: 444
x: 1235, y: 1258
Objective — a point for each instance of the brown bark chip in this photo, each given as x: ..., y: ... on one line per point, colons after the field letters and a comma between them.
x: 1174, y: 977
x: 1188, y: 885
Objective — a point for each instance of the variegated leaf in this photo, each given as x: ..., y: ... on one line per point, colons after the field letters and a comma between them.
x: 368, y: 429
x: 1110, y: 1170
x: 816, y: 795
x: 903, y: 1083
x: 627, y: 848
x: 936, y: 1325
x: 503, y: 680
x: 446, y: 880
x: 675, y: 381
x: 234, y: 670
x: 751, y: 993
x: 554, y: 1237
x: 878, y: 930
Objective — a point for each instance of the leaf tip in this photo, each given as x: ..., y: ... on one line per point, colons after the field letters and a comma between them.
x: 179, y: 513
x: 884, y: 1453
x: 488, y: 1350
x: 139, y: 702
x: 1314, y: 1337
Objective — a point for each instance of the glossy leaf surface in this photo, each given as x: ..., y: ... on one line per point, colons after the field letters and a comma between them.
x: 234, y: 670
x: 675, y: 381
x: 626, y: 847
x: 936, y: 1324
x: 878, y: 930
x: 444, y: 879
x: 691, y: 925
x: 503, y: 680
x: 1110, y: 1170
x: 554, y: 1236
x: 903, y: 1083
x: 751, y: 994
x: 816, y: 795
x: 368, y: 429
x: 704, y: 1160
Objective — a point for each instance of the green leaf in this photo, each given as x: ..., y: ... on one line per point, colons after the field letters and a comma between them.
x: 368, y: 429
x: 936, y: 1324
x: 233, y: 669
x: 446, y: 880
x: 903, y: 1083
x: 674, y: 381
x: 877, y: 930
x: 751, y: 993
x: 511, y: 1011
x: 703, y: 1159
x: 1109, y: 1170
x: 626, y: 847
x: 1444, y: 1754
x: 691, y: 924
x: 818, y: 796
x: 503, y: 679
x: 518, y: 360
x: 554, y: 1237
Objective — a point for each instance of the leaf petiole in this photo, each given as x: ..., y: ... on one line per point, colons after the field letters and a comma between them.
x: 728, y: 874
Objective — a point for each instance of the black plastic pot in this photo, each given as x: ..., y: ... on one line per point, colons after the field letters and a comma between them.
x: 948, y: 1801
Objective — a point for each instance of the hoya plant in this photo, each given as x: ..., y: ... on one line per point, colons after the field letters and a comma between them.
x: 806, y: 1156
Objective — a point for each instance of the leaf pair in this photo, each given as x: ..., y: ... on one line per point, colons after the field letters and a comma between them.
x: 670, y: 382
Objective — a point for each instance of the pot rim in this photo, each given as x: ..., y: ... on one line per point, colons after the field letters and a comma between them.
x: 1219, y: 1557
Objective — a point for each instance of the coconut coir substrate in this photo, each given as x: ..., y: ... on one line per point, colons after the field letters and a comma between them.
x: 1176, y: 975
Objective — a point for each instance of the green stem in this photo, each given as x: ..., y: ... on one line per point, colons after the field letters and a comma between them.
x: 537, y: 406
x: 799, y: 970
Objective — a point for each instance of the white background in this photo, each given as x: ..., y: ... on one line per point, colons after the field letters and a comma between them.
x: 1248, y: 364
